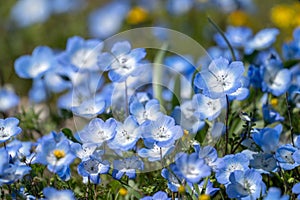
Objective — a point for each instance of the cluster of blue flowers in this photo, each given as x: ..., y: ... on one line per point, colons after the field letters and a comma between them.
x: 93, y: 83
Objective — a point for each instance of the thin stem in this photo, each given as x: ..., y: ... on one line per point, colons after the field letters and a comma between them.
x: 290, y: 117
x: 126, y: 99
x: 226, y: 124
x: 87, y: 189
x: 4, y: 145
x: 223, y: 36
x: 161, y: 157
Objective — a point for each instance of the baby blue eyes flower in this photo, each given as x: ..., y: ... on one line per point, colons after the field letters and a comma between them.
x: 158, y: 195
x: 276, y: 79
x: 145, y: 111
x: 8, y: 99
x: 275, y: 194
x: 127, y: 134
x: 270, y: 115
x: 122, y: 62
x: 285, y: 158
x: 220, y: 78
x: 107, y: 20
x: 229, y: 164
x: 155, y: 152
x: 296, y: 190
x: 262, y: 40
x: 208, y: 108
x: 9, y: 128
x: 91, y: 169
x: 98, y: 131
x: 28, y: 12
x: 190, y: 167
x: 81, y: 54
x: 127, y: 166
x: 36, y: 65
x: 292, y: 50
x: 163, y: 131
x: 245, y: 185
x: 237, y: 36
x: 53, y: 194
x: 267, y: 138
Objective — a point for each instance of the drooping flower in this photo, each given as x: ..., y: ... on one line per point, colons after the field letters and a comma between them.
x: 122, y: 62
x: 220, y: 78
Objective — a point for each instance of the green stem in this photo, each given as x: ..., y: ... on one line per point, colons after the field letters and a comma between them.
x: 223, y: 36
x: 290, y: 117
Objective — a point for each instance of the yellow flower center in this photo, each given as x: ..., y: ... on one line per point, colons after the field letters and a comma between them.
x: 274, y: 102
x: 282, y: 16
x: 186, y: 132
x: 59, y: 153
x: 123, y: 192
x: 238, y: 18
x: 137, y: 15
x: 181, y: 189
x: 204, y: 197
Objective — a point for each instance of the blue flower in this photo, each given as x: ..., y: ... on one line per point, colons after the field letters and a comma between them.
x: 208, y: 108
x: 179, y: 7
x: 229, y: 164
x: 163, y: 131
x: 209, y: 154
x: 28, y: 12
x: 98, y: 131
x: 89, y: 108
x: 155, y: 153
x: 209, y: 190
x: 90, y: 169
x: 173, y: 180
x: 237, y: 36
x: 81, y: 54
x: 190, y: 167
x: 254, y: 76
x: 52, y: 194
x: 187, y: 118
x: 182, y: 65
x: 245, y: 185
x: 296, y: 190
x: 263, y: 162
x: 276, y: 79
x: 11, y: 171
x: 267, y: 138
x: 127, y: 134
x: 83, y: 151
x: 107, y: 20
x: 122, y: 62
x: 291, y: 50
x: 61, y: 6
x: 220, y: 79
x: 158, y: 195
x: 145, y: 111
x: 270, y: 115
x: 9, y: 128
x: 275, y: 194
x: 284, y: 156
x: 36, y: 65
x: 127, y: 166
x: 262, y: 40
x: 8, y: 99
x: 56, y: 154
